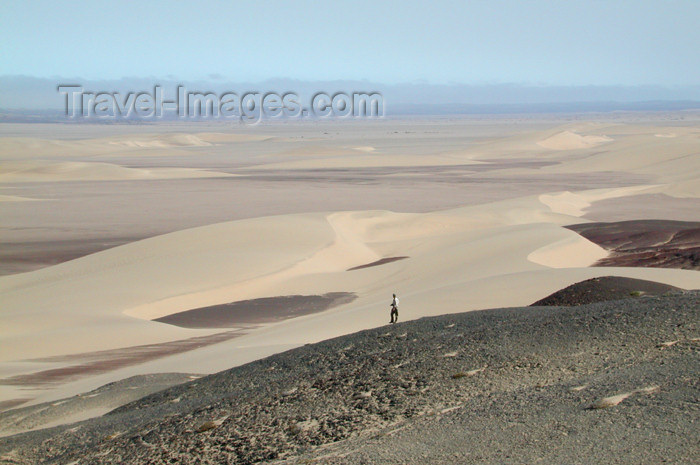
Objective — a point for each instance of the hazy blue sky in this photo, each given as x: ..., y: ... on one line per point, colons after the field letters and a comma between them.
x: 577, y: 42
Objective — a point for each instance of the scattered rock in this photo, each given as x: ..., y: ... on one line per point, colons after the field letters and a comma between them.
x: 612, y: 401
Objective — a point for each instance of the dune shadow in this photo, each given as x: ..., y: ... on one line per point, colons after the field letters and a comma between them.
x: 256, y: 311
x: 381, y: 261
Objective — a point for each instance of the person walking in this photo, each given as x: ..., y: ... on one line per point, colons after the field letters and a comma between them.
x: 394, y: 309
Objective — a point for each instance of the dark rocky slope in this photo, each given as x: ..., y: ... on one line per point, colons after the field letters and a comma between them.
x: 605, y: 288
x: 612, y: 382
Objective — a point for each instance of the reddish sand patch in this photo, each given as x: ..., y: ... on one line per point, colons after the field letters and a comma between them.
x: 376, y: 263
x: 646, y: 243
x: 12, y: 403
x: 20, y: 257
x: 92, y: 363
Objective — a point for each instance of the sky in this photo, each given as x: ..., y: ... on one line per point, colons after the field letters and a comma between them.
x: 532, y: 42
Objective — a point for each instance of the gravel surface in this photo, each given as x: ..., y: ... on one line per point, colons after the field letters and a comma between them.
x: 611, y: 382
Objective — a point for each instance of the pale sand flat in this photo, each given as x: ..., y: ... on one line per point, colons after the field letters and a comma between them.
x: 56, y: 171
x: 18, y: 148
x: 17, y: 198
x: 367, y: 161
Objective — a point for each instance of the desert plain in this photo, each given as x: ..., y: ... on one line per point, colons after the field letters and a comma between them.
x: 176, y: 250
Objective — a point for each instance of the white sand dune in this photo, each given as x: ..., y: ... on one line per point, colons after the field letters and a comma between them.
x: 174, y: 140
x: 684, y: 188
x: 568, y: 140
x: 202, y: 139
x: 674, y: 162
x: 559, y: 142
x: 576, y: 204
x: 565, y: 203
x: 570, y: 252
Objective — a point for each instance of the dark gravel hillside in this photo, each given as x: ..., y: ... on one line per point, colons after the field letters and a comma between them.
x: 605, y: 288
x: 612, y: 382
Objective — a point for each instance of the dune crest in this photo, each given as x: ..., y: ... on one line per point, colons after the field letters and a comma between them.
x: 565, y: 203
x: 569, y: 140
x: 17, y: 198
x: 571, y: 252
x: 173, y: 140
x: 19, y: 148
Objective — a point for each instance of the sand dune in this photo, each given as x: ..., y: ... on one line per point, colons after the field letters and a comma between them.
x: 457, y: 258
x: 684, y: 187
x: 568, y: 140
x: 568, y: 253
x: 558, y: 142
x: 672, y: 162
x: 576, y: 204
x: 174, y: 140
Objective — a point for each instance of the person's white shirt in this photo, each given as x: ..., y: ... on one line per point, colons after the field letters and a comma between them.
x: 395, y: 301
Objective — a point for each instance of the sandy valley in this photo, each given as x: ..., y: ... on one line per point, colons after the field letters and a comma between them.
x: 112, y: 235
